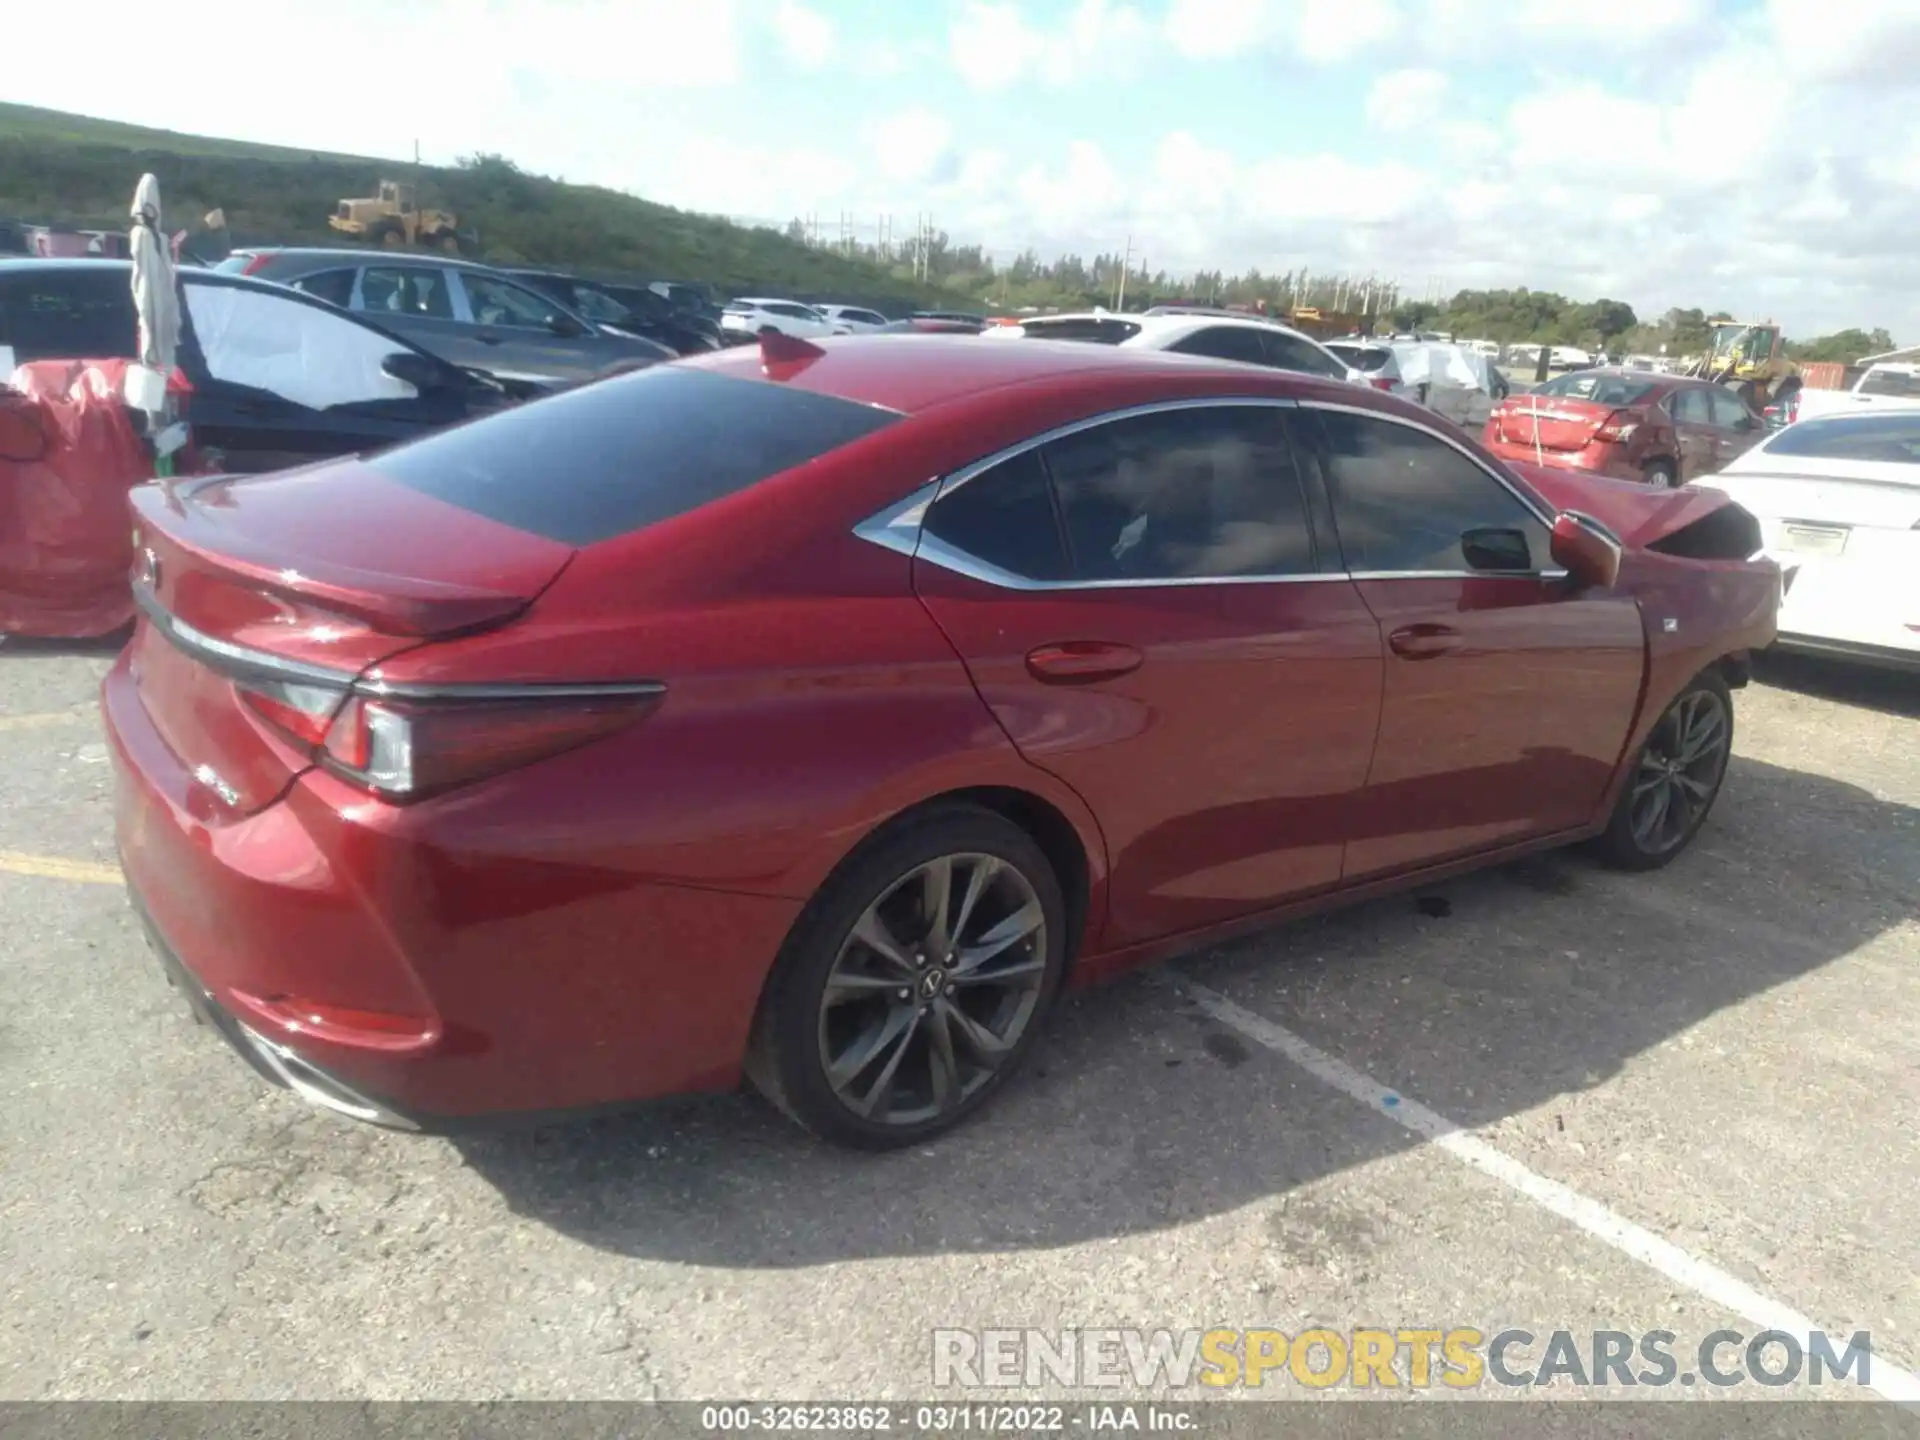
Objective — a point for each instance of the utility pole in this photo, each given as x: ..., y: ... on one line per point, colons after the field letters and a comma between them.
x: 1120, y: 295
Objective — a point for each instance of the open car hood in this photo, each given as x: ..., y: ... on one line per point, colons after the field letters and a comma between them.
x: 1638, y: 514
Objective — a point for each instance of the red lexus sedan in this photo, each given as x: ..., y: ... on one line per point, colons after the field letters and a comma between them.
x: 1661, y: 430
x: 815, y: 713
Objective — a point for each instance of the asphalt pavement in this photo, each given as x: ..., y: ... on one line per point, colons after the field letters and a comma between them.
x: 1548, y: 1097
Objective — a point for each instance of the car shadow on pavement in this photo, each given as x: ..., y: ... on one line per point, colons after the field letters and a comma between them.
x: 1893, y: 692
x: 1484, y: 998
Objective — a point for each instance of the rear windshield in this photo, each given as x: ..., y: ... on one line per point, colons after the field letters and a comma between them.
x: 1361, y: 359
x: 618, y: 455
x: 1099, y: 331
x: 1885, y: 380
x: 1885, y: 439
x: 1601, y: 389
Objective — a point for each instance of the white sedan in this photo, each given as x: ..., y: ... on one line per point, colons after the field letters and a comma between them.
x: 1838, y: 500
x: 1219, y: 336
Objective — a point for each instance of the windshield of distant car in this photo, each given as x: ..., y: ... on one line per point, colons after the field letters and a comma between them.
x: 1887, y: 439
x: 620, y: 454
x: 1598, y: 387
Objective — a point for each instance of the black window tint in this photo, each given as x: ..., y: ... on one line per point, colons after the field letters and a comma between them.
x: 67, y: 315
x: 1402, y: 499
x: 1730, y: 411
x: 621, y: 454
x: 1885, y: 439
x: 1183, y: 493
x: 1224, y: 342
x: 1885, y: 380
x: 333, y: 286
x: 1289, y: 352
x: 1005, y: 517
x: 1097, y: 330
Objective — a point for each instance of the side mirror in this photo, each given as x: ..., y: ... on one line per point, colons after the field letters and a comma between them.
x: 422, y: 372
x: 565, y: 326
x: 1496, y: 549
x: 1586, y: 549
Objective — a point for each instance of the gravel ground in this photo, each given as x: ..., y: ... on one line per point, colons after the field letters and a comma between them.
x: 1720, y: 1056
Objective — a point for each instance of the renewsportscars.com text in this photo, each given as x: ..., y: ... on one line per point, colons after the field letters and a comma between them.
x: 1370, y: 1357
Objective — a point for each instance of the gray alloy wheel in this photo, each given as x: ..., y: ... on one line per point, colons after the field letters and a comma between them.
x: 1675, y: 779
x: 934, y: 986
x: 913, y: 984
x: 1660, y: 475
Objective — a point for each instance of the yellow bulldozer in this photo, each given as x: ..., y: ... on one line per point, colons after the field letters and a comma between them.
x: 395, y: 218
x: 1750, y: 357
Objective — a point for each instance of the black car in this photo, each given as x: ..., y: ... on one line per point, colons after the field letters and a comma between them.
x: 275, y: 377
x: 631, y: 308
x: 468, y: 314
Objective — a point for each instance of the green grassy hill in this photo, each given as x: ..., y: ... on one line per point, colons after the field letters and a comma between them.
x: 57, y: 168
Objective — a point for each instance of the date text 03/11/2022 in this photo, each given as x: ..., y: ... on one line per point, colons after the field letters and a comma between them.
x: 983, y: 1419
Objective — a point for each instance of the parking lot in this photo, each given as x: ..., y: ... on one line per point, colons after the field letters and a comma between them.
x: 1679, y: 1094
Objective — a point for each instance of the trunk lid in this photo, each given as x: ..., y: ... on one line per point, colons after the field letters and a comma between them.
x: 1853, y: 494
x: 303, y: 578
x: 1562, y: 424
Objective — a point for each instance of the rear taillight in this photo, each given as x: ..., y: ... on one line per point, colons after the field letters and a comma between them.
x: 1381, y: 383
x: 255, y: 264
x: 405, y: 748
x: 1617, y: 427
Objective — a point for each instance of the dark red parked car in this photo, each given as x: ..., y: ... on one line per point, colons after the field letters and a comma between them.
x: 681, y: 726
x: 1661, y: 430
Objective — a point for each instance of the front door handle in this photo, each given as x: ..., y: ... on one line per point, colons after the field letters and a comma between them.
x: 1079, y: 662
x: 1424, y: 642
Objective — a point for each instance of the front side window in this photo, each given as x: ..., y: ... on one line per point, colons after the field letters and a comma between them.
x: 1182, y: 494
x: 1730, y: 412
x: 1404, y: 500
x: 498, y: 302
x: 406, y: 290
x: 303, y: 353
x: 1691, y: 406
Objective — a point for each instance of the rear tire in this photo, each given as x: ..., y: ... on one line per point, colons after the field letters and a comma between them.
x: 1659, y: 475
x: 1674, y: 780
x: 892, y: 1017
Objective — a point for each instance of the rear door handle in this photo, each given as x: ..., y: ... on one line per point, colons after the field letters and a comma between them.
x: 1079, y: 662
x: 1424, y: 642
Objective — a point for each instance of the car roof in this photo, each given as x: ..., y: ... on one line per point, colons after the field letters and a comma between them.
x: 364, y: 253
x: 911, y: 373
x: 1175, y: 323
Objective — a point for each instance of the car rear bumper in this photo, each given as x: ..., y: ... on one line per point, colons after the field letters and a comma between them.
x: 390, y: 964
x: 1608, y: 460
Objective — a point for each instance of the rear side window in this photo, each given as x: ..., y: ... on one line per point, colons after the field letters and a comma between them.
x: 1224, y: 342
x: 1290, y: 352
x: 1005, y: 517
x: 333, y: 286
x: 621, y: 454
x: 1885, y: 380
x: 1883, y: 439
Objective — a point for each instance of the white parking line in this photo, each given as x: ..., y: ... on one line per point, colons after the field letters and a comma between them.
x: 1700, y: 1276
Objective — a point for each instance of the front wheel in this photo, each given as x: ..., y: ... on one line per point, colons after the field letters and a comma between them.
x: 913, y: 986
x: 1675, y: 779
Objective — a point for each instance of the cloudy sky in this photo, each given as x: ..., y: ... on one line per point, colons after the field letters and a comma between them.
x: 1761, y: 155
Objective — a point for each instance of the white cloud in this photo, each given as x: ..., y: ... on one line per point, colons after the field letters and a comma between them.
x: 914, y: 146
x: 806, y: 35
x: 993, y: 45
x: 1848, y: 40
x: 1331, y: 31
x: 1403, y: 100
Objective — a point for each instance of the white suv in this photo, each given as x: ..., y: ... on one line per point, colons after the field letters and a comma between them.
x: 745, y: 318
x: 1246, y: 338
x: 857, y: 318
